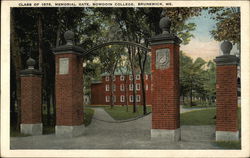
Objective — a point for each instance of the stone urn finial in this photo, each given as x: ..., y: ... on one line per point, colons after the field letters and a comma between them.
x: 226, y: 47
x: 31, y: 63
x: 165, y: 23
x: 69, y: 37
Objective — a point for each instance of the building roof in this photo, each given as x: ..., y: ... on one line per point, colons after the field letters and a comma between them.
x: 96, y: 81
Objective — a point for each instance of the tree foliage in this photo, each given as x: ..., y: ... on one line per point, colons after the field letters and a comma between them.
x: 197, y: 79
x: 228, y: 24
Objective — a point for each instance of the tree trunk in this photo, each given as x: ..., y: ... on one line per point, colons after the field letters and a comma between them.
x: 126, y: 92
x: 48, y: 109
x: 191, y: 98
x: 111, y: 92
x: 142, y: 68
x: 16, y: 58
x: 40, y: 40
x: 131, y: 59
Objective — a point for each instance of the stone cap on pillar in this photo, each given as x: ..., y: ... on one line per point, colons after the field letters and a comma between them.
x: 226, y: 58
x: 69, y: 47
x: 166, y: 36
x: 30, y: 71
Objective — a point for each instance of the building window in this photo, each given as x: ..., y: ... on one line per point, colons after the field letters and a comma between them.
x: 131, y: 98
x: 146, y: 76
x: 131, y: 87
x: 107, y: 78
x: 122, y: 98
x: 137, y: 77
x: 113, y: 78
x: 107, y: 87
x: 130, y: 77
x: 146, y: 87
x: 137, y: 86
x: 138, y: 98
x: 122, y: 78
x: 107, y: 98
x: 113, y: 87
x: 122, y: 87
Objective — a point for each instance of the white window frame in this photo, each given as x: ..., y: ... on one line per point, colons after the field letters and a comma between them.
x: 146, y: 87
x: 107, y: 87
x: 107, y: 78
x: 131, y: 98
x: 131, y: 87
x: 122, y: 98
x: 122, y: 87
x: 138, y: 86
x: 114, y: 78
x: 146, y: 76
x: 138, y: 98
x: 114, y: 87
x: 107, y: 99
x: 137, y: 77
x: 122, y: 77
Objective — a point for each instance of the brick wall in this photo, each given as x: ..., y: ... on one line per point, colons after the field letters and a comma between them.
x: 165, y: 92
x: 69, y: 92
x: 99, y: 93
x: 31, y: 100
x: 226, y: 98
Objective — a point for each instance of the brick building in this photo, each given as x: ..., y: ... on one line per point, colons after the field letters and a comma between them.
x: 101, y: 90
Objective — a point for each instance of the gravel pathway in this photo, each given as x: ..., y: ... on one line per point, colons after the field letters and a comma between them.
x: 129, y: 135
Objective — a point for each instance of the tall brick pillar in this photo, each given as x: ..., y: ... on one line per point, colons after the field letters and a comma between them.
x: 226, y: 95
x: 31, y: 105
x: 69, y: 88
x: 165, y: 81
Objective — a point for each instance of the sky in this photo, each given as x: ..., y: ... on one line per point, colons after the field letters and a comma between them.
x: 202, y: 44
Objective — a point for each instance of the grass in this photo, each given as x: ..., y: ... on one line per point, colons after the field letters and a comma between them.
x: 198, y: 117
x: 197, y: 106
x: 229, y: 145
x: 88, y: 114
x: 50, y: 129
x: 15, y: 133
x: 120, y: 112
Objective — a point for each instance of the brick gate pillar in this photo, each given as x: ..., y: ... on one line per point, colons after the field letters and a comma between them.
x: 31, y: 105
x: 165, y: 81
x: 226, y: 95
x: 69, y: 88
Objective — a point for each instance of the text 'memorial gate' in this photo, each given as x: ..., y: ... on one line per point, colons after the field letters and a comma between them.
x: 165, y: 89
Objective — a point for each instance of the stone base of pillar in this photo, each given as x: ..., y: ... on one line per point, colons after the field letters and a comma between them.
x: 69, y: 131
x: 227, y: 136
x: 32, y: 129
x: 168, y: 135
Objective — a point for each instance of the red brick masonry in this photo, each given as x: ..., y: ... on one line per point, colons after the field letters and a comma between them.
x: 226, y: 98
x: 69, y: 92
x: 165, y: 91
x: 31, y: 100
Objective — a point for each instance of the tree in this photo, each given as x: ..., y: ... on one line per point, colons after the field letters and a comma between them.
x: 109, y: 58
x: 30, y: 33
x: 210, y: 82
x: 192, y: 77
x: 228, y: 24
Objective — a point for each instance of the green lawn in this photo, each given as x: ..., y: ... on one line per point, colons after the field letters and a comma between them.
x: 203, y: 117
x: 88, y: 114
x: 228, y: 145
x: 15, y: 133
x: 49, y: 129
x: 121, y: 113
x: 198, y: 117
